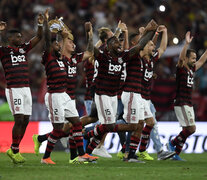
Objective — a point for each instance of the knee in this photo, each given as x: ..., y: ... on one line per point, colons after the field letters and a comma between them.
x: 150, y: 122
x: 19, y: 119
x: 191, y: 129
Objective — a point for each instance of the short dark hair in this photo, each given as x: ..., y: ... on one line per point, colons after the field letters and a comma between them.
x: 110, y: 40
x: 11, y: 32
x: 131, y: 37
x: 189, y: 51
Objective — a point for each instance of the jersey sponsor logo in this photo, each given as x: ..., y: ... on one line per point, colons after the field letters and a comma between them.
x: 147, y: 75
x: 17, y: 59
x: 114, y: 68
x: 71, y: 71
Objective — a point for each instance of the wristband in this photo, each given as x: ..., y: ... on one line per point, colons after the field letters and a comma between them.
x: 118, y: 29
x: 40, y: 25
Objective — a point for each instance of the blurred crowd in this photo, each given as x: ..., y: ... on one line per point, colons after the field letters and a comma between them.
x: 179, y: 16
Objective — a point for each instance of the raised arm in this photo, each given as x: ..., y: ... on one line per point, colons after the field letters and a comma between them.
x: 182, y: 56
x: 38, y: 36
x: 164, y: 40
x: 89, y: 34
x: 47, y: 33
x: 2, y: 26
x: 141, y: 44
x: 146, y: 35
x: 201, y: 61
x: 126, y: 38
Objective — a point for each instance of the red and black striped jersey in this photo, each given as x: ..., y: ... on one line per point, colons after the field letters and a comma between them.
x: 15, y: 65
x: 134, y: 70
x: 71, y: 68
x: 107, y: 72
x: 184, y: 86
x: 89, y: 70
x: 56, y: 73
x: 147, y: 75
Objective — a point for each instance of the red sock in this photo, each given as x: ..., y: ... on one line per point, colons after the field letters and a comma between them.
x: 78, y: 137
x: 52, y: 139
x: 145, y: 138
x: 180, y: 139
x: 134, y: 142
x: 15, y: 144
x: 72, y: 145
x: 93, y: 144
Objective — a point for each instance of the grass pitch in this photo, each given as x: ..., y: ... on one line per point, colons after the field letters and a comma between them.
x: 195, y: 168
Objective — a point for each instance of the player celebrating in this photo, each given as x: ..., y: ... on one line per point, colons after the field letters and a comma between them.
x: 18, y: 94
x: 108, y: 69
x: 186, y: 67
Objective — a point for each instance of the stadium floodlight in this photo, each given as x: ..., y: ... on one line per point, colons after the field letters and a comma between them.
x: 175, y: 40
x: 162, y: 8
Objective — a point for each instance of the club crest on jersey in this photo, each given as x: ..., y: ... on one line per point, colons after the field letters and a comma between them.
x: 74, y: 60
x: 120, y: 60
x: 22, y: 51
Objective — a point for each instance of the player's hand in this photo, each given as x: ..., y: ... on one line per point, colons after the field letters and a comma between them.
x: 161, y: 28
x: 141, y: 30
x: 2, y: 25
x: 188, y: 38
x: 40, y: 19
x: 123, y: 27
x: 88, y: 26
x: 151, y: 26
x: 46, y: 14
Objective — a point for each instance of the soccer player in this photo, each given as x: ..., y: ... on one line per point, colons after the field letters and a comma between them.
x: 92, y: 117
x: 71, y: 61
x: 18, y: 94
x: 57, y: 100
x: 108, y: 69
x: 136, y: 103
x: 186, y: 67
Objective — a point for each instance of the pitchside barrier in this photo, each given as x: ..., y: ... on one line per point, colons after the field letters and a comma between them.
x: 197, y: 143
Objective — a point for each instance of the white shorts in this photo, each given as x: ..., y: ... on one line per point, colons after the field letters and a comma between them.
x: 19, y: 100
x: 133, y: 107
x: 185, y: 115
x: 106, y: 108
x: 60, y: 106
x: 147, y: 111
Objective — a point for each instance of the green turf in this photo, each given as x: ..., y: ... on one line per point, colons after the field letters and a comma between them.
x: 194, y: 168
